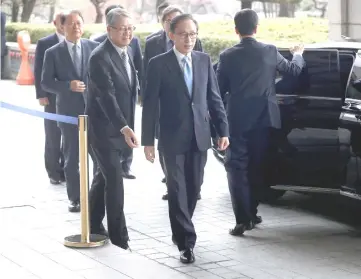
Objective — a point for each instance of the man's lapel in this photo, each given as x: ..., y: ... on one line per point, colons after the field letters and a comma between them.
x: 196, y: 70
x: 173, y: 66
x: 68, y: 62
x: 114, y: 55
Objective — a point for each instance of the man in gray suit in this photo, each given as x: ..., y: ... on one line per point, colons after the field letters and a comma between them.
x: 65, y: 74
x: 247, y: 73
x: 182, y: 86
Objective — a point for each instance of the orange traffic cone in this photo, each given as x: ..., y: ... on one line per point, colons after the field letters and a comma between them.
x: 25, y: 75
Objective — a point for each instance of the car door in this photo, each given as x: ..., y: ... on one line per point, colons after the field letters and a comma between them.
x: 306, y: 149
x: 350, y: 125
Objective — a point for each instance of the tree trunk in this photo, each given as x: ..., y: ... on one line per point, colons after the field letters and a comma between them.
x: 246, y: 4
x: 264, y: 8
x: 28, y: 7
x: 51, y: 12
x: 15, y: 11
x: 284, y: 10
x: 99, y: 17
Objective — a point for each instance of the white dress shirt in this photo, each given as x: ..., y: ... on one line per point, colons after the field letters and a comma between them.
x: 180, y: 57
x: 70, y: 49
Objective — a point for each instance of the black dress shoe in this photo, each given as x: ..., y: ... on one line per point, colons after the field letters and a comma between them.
x: 101, y: 231
x: 187, y: 256
x: 128, y: 175
x: 257, y: 220
x: 74, y: 207
x: 62, y: 177
x: 164, y: 180
x: 165, y: 197
x: 238, y: 230
x: 55, y: 181
x: 199, y: 196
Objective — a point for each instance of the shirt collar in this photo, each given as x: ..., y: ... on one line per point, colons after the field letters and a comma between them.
x: 70, y: 44
x: 180, y: 56
x: 118, y: 49
x: 60, y: 36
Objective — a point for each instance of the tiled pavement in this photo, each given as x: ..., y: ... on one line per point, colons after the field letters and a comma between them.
x: 301, y: 237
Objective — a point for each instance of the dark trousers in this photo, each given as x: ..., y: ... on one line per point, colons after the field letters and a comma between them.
x: 107, y: 191
x: 70, y: 135
x: 184, y: 174
x: 126, y: 159
x: 54, y: 159
x: 245, y: 165
x: 161, y: 161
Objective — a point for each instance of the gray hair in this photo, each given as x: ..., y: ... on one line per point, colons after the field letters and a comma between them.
x: 170, y: 10
x: 115, y: 14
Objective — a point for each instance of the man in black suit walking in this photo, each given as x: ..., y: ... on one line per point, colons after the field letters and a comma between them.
x: 160, y: 10
x: 247, y: 73
x: 159, y: 44
x: 65, y: 75
x: 111, y: 100
x: 181, y: 84
x: 135, y: 51
x: 54, y: 159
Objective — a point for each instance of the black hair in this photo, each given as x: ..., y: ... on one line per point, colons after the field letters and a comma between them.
x: 161, y: 8
x: 246, y: 22
x: 175, y: 21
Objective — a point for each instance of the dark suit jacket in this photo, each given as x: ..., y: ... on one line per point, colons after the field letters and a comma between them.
x: 111, y: 99
x: 159, y: 32
x: 42, y: 45
x: 58, y: 71
x: 135, y: 52
x: 247, y: 72
x: 182, y: 118
x: 3, y: 38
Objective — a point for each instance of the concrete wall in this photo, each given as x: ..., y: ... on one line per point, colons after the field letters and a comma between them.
x: 344, y: 19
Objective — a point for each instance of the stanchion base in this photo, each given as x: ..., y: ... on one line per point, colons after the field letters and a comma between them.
x: 95, y: 240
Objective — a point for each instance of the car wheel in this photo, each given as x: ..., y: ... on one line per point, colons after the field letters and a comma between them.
x: 271, y: 195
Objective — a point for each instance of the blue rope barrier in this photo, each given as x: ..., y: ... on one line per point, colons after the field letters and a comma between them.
x: 41, y: 114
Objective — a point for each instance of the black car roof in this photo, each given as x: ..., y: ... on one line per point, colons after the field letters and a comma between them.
x: 336, y: 45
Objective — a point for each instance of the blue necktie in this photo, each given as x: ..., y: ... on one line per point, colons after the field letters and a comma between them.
x: 188, y: 75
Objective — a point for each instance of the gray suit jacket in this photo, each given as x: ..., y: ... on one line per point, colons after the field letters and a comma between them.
x: 183, y: 118
x: 247, y: 72
x: 58, y: 71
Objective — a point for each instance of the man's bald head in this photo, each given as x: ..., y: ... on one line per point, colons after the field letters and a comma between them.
x: 58, y: 22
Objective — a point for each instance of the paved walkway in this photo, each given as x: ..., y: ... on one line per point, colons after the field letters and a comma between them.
x: 301, y: 237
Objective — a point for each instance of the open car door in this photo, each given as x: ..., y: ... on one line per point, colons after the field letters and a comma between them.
x: 305, y: 152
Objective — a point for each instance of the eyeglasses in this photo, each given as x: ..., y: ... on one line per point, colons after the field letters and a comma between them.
x: 192, y: 36
x: 124, y: 29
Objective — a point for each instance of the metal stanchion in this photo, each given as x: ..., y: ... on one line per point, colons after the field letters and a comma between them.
x: 85, y: 239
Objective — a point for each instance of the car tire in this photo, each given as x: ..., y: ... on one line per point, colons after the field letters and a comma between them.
x: 271, y: 195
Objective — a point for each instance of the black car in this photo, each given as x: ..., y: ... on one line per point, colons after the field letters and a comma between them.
x: 318, y: 148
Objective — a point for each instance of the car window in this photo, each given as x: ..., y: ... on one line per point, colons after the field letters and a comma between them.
x: 319, y: 78
x: 354, y: 88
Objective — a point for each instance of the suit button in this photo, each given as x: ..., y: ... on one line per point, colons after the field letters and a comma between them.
x: 192, y: 104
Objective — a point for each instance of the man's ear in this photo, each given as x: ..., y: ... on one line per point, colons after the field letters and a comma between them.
x: 236, y: 30
x: 171, y: 36
x: 255, y: 30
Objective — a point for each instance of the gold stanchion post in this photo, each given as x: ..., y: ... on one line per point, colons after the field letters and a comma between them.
x: 85, y: 239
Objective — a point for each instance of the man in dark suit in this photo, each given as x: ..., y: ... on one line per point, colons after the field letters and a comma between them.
x: 160, y: 10
x: 65, y: 75
x: 181, y: 84
x: 3, y: 43
x: 135, y: 51
x: 54, y: 159
x: 111, y: 101
x: 247, y: 72
x: 160, y: 44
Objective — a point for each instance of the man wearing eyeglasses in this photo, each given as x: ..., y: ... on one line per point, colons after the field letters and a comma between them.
x: 159, y: 44
x: 111, y: 100
x: 136, y: 53
x: 181, y: 90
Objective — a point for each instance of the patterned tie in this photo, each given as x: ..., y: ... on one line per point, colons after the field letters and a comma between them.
x: 125, y: 60
x: 188, y: 75
x: 76, y: 60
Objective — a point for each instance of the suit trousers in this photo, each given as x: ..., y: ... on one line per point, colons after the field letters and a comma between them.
x: 54, y: 159
x: 107, y: 192
x: 161, y: 160
x: 184, y: 175
x: 245, y: 163
x: 70, y: 135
